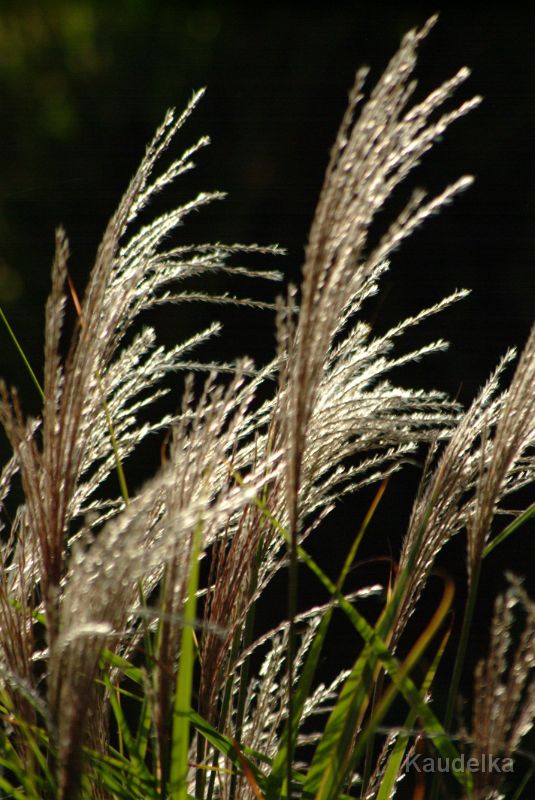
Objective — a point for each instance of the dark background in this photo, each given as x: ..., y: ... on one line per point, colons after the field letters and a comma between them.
x: 83, y: 85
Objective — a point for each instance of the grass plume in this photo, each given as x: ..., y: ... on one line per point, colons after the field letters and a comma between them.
x: 126, y: 670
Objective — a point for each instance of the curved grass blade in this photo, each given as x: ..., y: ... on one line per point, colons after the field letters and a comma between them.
x: 323, y: 768
x: 248, y: 773
x: 396, y: 757
x: 377, y: 650
x: 276, y: 778
x: 411, y: 660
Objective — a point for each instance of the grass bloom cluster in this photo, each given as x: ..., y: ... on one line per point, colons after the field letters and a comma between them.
x: 127, y: 671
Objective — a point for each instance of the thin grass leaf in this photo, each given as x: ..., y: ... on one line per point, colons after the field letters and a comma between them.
x: 276, y: 777
x: 134, y: 756
x: 248, y: 773
x: 513, y: 526
x: 22, y: 354
x: 14, y: 791
x: 178, y: 772
x: 376, y: 650
x: 406, y: 666
x: 126, y: 668
x: 393, y: 766
x: 226, y: 746
x: 116, y: 775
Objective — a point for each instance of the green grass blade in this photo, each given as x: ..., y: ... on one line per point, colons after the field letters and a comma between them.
x: 130, y: 742
x: 377, y: 648
x: 182, y: 704
x: 37, y: 741
x: 128, y: 669
x: 225, y: 746
x: 40, y: 757
x: 276, y: 781
x: 144, y: 728
x: 22, y: 354
x: 323, y: 776
x: 14, y: 792
x: 367, y: 736
x: 511, y: 528
x: 398, y: 751
x: 118, y: 776
x: 321, y: 772
x: 329, y: 766
x: 276, y: 778
x: 10, y: 759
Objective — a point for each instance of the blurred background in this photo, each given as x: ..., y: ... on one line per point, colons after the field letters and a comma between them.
x: 84, y: 83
